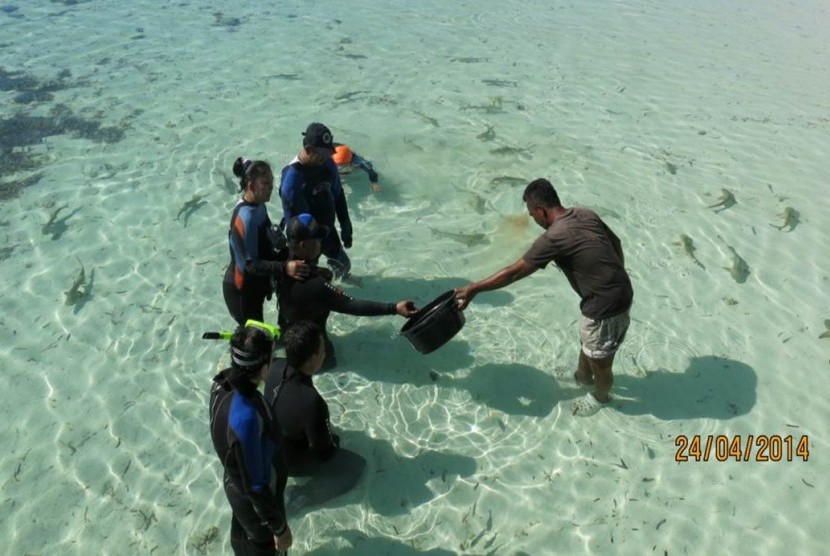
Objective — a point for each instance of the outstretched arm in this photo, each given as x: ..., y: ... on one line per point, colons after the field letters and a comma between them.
x: 367, y: 167
x: 500, y: 279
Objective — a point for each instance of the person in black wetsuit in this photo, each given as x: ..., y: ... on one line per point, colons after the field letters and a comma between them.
x: 302, y: 416
x: 246, y: 440
x: 315, y: 298
x: 257, y: 248
x: 300, y: 411
x: 311, y: 184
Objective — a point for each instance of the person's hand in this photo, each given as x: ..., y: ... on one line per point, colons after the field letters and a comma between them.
x: 376, y: 188
x: 285, y: 540
x: 406, y: 308
x: 347, y: 240
x: 297, y: 270
x: 464, y: 295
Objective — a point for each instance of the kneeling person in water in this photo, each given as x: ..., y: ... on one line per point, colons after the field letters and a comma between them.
x: 315, y: 298
x: 300, y: 413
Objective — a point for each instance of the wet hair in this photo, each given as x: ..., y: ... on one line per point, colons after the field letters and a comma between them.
x: 246, y: 169
x: 541, y: 192
x: 250, y: 349
x: 302, y: 340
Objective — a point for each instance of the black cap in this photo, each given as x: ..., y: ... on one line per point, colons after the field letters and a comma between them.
x: 303, y: 226
x: 318, y: 136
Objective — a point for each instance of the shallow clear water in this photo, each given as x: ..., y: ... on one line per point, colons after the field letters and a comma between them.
x: 117, y: 114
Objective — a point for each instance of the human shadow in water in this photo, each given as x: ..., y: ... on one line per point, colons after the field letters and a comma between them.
x: 393, y: 484
x: 512, y: 388
x: 711, y: 387
x: 361, y: 545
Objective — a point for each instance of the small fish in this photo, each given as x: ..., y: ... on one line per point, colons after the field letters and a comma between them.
x: 230, y: 184
x: 689, y: 248
x: 190, y: 207
x: 791, y: 219
x: 508, y: 180
x: 726, y: 200
x: 671, y: 168
x: 349, y: 96
x: 53, y: 226
x: 826, y: 333
x: 428, y: 119
x: 470, y: 60
x: 468, y: 239
x: 77, y: 291
x: 739, y: 269
x: 508, y: 150
x: 606, y: 213
x: 488, y: 135
x: 355, y: 56
x: 478, y: 203
x: 494, y: 107
x: 499, y: 82
x: 284, y: 76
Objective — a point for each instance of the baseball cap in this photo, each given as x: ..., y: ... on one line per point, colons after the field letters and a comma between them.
x: 303, y: 226
x: 318, y: 136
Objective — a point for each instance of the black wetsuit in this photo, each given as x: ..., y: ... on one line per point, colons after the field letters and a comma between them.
x: 315, y: 298
x: 257, y: 255
x: 302, y: 417
x: 245, y: 438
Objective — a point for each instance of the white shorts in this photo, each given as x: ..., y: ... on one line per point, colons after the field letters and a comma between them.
x: 602, y: 338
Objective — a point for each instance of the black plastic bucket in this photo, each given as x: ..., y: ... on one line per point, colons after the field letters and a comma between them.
x: 435, y: 324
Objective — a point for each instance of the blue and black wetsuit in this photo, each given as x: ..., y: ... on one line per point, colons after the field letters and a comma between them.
x: 255, y: 247
x: 246, y: 441
x: 318, y: 191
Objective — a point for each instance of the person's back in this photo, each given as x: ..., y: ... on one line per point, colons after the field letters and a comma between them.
x: 299, y: 411
x: 315, y: 298
x: 312, y: 299
x: 580, y: 244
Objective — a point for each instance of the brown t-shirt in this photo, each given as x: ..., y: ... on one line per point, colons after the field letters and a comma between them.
x: 580, y: 244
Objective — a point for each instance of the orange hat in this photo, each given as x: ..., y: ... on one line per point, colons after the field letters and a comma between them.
x: 342, y: 154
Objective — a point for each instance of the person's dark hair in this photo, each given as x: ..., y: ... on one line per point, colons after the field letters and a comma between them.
x: 541, y: 192
x: 250, y: 348
x: 302, y: 340
x: 246, y: 169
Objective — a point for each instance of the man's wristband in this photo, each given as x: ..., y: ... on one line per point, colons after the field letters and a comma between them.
x: 281, y: 531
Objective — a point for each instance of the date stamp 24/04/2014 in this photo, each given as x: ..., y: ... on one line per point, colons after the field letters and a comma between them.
x: 763, y: 448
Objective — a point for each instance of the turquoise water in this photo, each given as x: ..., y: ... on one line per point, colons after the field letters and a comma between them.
x: 116, y: 115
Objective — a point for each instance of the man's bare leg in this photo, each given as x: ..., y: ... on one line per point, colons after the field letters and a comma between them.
x: 584, y: 374
x: 603, y: 377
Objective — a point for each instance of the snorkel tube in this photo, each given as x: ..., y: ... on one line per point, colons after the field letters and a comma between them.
x: 273, y: 331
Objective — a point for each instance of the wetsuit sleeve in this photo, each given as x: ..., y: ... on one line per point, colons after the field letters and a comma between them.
x: 265, y: 268
x: 318, y: 432
x: 341, y: 208
x: 365, y: 165
x: 291, y: 193
x: 255, y: 466
x: 341, y: 302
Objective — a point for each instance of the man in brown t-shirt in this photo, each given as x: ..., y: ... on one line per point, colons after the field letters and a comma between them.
x: 591, y: 257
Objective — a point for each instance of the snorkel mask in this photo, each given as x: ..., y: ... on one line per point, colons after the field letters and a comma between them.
x: 242, y: 358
